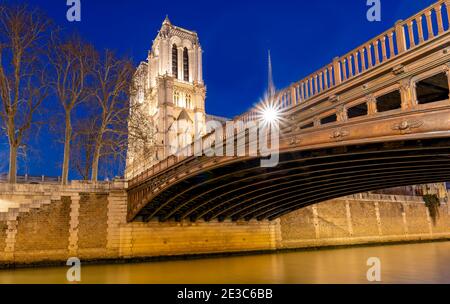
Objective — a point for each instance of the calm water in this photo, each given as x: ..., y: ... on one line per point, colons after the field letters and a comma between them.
x: 419, y: 263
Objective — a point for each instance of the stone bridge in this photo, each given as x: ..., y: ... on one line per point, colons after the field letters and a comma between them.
x: 375, y: 118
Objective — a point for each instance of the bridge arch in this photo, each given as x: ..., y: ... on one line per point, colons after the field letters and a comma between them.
x: 303, y: 178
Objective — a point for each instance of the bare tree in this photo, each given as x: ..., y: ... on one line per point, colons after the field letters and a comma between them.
x: 22, y: 74
x: 71, y: 62
x: 83, y: 146
x: 141, y: 130
x: 112, y: 78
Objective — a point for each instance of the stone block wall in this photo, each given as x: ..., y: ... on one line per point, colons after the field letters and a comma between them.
x: 43, y: 234
x: 363, y: 219
x: 3, y: 233
x: 170, y: 239
x: 49, y: 224
x: 92, y: 225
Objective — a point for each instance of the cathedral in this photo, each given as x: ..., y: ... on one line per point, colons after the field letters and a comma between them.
x: 169, y: 86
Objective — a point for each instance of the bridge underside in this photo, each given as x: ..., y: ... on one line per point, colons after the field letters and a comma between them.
x: 303, y: 178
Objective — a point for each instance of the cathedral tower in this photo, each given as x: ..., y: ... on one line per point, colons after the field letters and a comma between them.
x: 170, y: 85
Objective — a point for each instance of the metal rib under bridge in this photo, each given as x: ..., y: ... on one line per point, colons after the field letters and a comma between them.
x: 376, y: 118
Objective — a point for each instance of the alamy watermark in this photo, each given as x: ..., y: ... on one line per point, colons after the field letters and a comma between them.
x: 74, y: 12
x: 374, y: 272
x: 374, y: 12
x: 73, y: 275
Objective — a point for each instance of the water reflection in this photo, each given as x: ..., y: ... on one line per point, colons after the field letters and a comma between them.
x: 418, y: 263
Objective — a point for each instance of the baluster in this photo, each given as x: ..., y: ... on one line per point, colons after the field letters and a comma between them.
x: 302, y: 96
x: 330, y: 74
x: 310, y: 87
x: 337, y: 71
x: 294, y: 96
x: 412, y: 41
x: 306, y: 87
x: 429, y: 25
x: 439, y: 18
x: 391, y: 45
x: 447, y: 6
x: 299, y: 92
x: 320, y: 82
x: 344, y: 68
x: 355, y: 56
x: 420, y: 28
x: 308, y: 95
x: 363, y: 59
x: 350, y: 66
x: 369, y: 55
x: 285, y: 102
x: 325, y: 75
x: 310, y: 90
x: 400, y: 37
x: 377, y: 52
x: 316, y: 85
x: 383, y: 48
x: 304, y: 91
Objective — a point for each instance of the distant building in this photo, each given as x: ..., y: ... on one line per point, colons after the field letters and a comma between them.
x: 220, y: 119
x: 170, y: 85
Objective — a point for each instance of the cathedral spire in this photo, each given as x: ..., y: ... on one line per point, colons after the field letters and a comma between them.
x: 167, y: 21
x: 271, y: 86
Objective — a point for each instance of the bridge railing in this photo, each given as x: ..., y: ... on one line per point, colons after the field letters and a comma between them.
x: 428, y: 24
x: 28, y: 179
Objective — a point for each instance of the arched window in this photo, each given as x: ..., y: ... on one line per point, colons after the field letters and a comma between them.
x: 176, y: 98
x: 175, y: 61
x: 188, y: 101
x: 186, y: 64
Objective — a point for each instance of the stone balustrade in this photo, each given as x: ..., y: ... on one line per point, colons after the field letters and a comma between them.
x: 415, y: 31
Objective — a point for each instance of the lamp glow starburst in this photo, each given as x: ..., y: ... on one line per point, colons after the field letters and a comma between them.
x: 269, y: 113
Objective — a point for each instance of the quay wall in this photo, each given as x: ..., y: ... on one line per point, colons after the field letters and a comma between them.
x: 47, y: 224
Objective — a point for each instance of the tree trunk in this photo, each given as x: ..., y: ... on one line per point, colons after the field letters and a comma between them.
x: 12, y: 164
x: 95, y: 162
x: 67, y: 141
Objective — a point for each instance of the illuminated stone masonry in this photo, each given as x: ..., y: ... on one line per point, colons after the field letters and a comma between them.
x: 48, y: 224
x: 170, y: 87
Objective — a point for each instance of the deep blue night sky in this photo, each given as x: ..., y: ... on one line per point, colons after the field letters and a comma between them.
x: 235, y: 35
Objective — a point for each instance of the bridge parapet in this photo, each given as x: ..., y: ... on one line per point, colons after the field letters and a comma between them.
x: 406, y: 35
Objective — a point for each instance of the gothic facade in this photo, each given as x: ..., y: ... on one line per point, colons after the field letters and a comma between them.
x: 169, y: 86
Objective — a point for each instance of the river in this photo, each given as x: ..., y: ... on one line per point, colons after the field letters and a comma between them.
x: 411, y: 263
